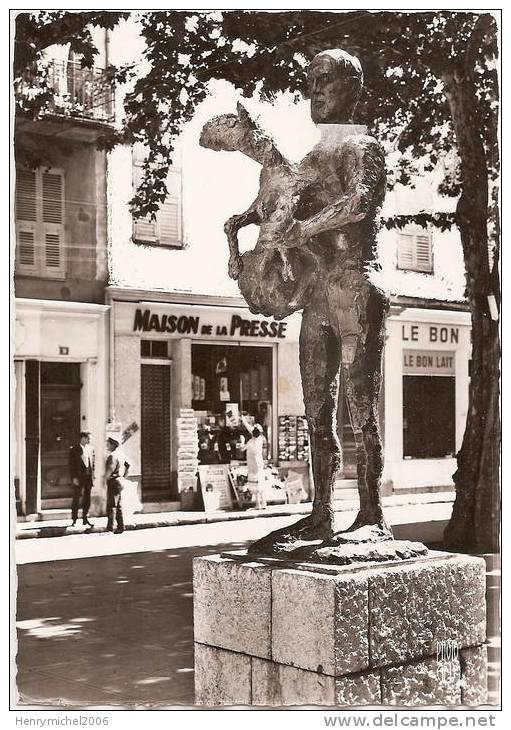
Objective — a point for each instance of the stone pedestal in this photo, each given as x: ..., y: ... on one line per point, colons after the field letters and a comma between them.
x: 268, y: 632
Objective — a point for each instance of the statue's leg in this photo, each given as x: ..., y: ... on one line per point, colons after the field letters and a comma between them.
x: 319, y: 366
x: 362, y: 377
x: 320, y: 355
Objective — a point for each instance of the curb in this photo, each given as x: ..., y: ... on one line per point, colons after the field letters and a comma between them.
x: 181, y: 518
x: 59, y: 531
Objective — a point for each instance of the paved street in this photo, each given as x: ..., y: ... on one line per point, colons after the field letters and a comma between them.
x: 106, y: 620
x: 114, y: 628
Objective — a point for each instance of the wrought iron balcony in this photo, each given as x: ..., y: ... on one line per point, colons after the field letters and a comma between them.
x: 78, y: 93
x: 81, y: 92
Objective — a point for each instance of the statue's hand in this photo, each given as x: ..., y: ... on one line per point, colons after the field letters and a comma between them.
x: 231, y: 229
x: 235, y: 266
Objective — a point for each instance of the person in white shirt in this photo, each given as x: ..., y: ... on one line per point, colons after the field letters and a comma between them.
x: 115, y: 464
x: 255, y: 463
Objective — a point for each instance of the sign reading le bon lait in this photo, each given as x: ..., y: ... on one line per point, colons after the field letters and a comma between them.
x: 202, y: 323
x: 428, y: 362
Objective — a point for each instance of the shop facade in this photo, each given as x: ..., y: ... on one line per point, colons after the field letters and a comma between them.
x: 60, y: 367
x: 199, y: 362
x: 426, y: 382
x: 210, y: 359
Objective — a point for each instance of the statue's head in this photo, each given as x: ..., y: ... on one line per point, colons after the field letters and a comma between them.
x: 230, y: 132
x: 335, y: 82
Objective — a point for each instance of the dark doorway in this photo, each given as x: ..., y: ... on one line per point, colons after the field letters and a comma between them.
x: 60, y: 429
x: 429, y: 417
x: 156, y: 468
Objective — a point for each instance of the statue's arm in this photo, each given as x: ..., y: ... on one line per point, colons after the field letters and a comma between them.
x: 231, y: 228
x: 362, y: 168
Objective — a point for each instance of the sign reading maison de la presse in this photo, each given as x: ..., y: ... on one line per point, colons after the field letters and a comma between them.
x: 214, y: 322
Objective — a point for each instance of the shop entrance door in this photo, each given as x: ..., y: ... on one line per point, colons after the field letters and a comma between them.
x: 60, y: 429
x: 155, y: 435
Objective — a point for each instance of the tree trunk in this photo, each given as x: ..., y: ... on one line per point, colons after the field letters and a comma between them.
x: 475, y: 520
x: 474, y: 524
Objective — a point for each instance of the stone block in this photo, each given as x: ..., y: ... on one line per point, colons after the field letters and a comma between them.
x: 319, y: 621
x: 414, y: 606
x: 474, y: 675
x: 358, y: 689
x: 276, y: 685
x: 232, y: 605
x: 427, y: 682
x: 221, y: 677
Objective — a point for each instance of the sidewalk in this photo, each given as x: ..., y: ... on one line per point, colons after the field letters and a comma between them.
x: 107, y: 622
x: 430, y: 507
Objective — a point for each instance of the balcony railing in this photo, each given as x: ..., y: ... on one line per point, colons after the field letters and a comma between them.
x: 82, y: 93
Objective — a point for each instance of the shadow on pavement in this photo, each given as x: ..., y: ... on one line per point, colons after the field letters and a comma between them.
x: 108, y: 631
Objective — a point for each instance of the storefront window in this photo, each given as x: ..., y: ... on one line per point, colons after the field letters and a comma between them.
x: 231, y: 387
x: 154, y: 348
x: 428, y: 417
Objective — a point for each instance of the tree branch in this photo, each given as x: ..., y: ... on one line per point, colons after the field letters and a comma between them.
x: 482, y: 35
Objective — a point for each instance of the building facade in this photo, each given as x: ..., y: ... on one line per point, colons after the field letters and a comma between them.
x: 131, y: 326
x: 60, y: 273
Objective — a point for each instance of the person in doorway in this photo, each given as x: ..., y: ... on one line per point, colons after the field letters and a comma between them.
x: 115, y: 463
x: 255, y: 462
x: 81, y: 468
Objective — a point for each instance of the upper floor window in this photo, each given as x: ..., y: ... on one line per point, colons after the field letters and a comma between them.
x: 40, y: 222
x: 167, y: 229
x: 415, y: 251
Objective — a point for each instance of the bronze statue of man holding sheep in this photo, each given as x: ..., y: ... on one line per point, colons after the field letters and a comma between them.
x: 318, y: 222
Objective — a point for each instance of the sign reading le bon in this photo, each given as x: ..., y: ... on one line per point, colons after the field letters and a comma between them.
x: 211, y: 322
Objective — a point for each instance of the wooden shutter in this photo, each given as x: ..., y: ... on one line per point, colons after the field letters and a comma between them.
x: 405, y: 251
x: 26, y: 221
x: 52, y: 198
x: 414, y: 252
x: 53, y: 220
x: 40, y: 222
x: 26, y: 205
x: 168, y: 218
x: 144, y: 229
x: 166, y: 230
x: 423, y: 252
x: 26, y: 253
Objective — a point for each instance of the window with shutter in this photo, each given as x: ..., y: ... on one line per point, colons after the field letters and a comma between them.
x: 26, y: 248
x: 52, y: 198
x: 40, y: 223
x: 166, y: 229
x: 414, y: 252
x: 26, y: 195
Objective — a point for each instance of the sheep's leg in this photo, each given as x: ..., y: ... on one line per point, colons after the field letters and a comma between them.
x: 231, y: 228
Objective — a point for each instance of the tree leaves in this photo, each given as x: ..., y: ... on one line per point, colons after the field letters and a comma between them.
x: 404, y: 57
x: 442, y: 221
